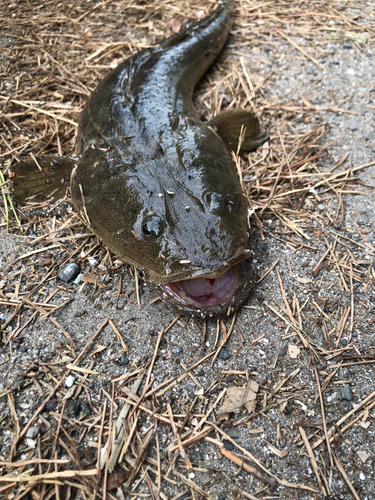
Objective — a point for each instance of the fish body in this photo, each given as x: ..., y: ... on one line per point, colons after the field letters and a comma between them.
x: 158, y: 185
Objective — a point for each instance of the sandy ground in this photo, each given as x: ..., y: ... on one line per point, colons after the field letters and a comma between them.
x: 259, y: 347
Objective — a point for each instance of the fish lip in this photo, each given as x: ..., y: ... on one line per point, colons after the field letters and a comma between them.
x: 229, y: 291
x: 195, y: 271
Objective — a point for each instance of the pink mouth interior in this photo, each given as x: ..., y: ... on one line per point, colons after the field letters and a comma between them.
x: 205, y: 292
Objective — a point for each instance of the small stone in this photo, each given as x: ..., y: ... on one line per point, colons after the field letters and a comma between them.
x: 224, y: 354
x: 190, y: 387
x: 69, y: 381
x: 346, y: 392
x: 351, y: 71
x: 228, y: 444
x: 177, y: 351
x: 288, y: 409
x: 201, y: 373
x: 348, y: 44
x: 31, y: 443
x: 314, y: 101
x: 32, y: 432
x: 123, y: 360
x: 78, y: 279
x: 85, y: 409
x: 51, y: 405
x: 69, y: 272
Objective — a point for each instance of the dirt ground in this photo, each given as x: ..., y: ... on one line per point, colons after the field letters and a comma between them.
x: 77, y: 356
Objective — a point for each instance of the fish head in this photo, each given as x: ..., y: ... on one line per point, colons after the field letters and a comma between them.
x: 195, y: 228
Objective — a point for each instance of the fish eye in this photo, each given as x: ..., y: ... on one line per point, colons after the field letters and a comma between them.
x: 152, y: 226
x: 218, y: 203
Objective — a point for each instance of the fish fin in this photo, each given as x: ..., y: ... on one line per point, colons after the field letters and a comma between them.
x: 51, y: 180
x: 228, y: 125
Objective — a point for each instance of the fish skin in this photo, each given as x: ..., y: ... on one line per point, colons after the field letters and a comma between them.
x: 147, y: 164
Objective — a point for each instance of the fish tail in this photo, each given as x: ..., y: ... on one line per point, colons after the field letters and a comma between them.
x: 44, y: 177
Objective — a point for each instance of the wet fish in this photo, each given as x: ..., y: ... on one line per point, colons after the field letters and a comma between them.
x: 154, y: 182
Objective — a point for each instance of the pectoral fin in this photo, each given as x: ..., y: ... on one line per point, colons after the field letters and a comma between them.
x: 48, y: 177
x: 228, y: 125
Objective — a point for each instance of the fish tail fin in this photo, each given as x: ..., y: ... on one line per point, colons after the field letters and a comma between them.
x: 42, y: 178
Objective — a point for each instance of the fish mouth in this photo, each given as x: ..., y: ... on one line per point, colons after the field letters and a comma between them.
x: 213, y: 296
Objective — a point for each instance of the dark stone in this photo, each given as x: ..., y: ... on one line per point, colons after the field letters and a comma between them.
x: 288, y: 409
x: 123, y: 360
x: 69, y: 272
x: 228, y: 445
x: 348, y: 44
x: 201, y: 373
x: 51, y: 405
x: 85, y: 409
x: 224, y: 354
x: 346, y: 392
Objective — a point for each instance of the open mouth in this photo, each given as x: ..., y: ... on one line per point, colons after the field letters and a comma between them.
x: 212, y: 294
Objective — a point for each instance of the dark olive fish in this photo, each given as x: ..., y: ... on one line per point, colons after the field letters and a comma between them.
x: 154, y: 182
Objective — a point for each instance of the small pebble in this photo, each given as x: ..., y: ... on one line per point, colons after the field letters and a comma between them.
x: 224, y: 354
x: 69, y: 272
x: 69, y: 381
x: 348, y: 44
x: 201, y: 373
x: 177, y: 351
x: 288, y: 409
x: 228, y: 445
x: 85, y: 409
x: 123, y: 360
x: 32, y: 432
x: 31, y: 443
x: 78, y: 279
x: 346, y: 392
x: 51, y: 405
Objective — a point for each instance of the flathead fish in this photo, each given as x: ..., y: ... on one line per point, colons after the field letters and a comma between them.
x: 157, y: 184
